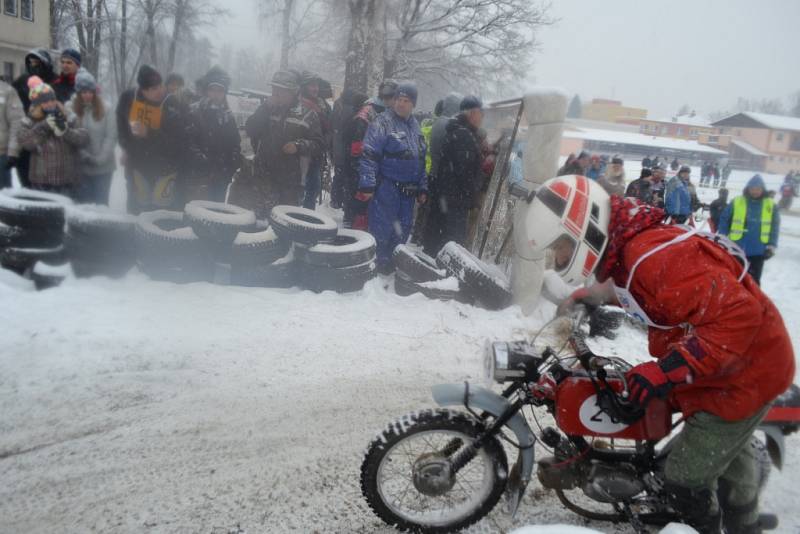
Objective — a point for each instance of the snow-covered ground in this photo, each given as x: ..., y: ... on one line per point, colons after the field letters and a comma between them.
x: 135, y: 406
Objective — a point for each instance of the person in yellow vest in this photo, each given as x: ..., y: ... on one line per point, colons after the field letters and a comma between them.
x: 752, y: 222
x: 151, y: 129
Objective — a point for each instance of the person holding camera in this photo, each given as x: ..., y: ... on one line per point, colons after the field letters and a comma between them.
x: 53, y: 140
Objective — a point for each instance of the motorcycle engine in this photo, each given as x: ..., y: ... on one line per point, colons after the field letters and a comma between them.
x: 612, y: 483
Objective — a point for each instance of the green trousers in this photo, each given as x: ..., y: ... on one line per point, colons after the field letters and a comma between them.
x: 712, y: 453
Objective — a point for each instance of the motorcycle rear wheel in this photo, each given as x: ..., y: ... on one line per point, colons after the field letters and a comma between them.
x: 388, y: 480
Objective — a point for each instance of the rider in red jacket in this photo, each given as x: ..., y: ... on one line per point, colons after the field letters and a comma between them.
x: 722, y: 351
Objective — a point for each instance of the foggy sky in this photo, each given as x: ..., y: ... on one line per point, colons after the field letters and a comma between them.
x: 657, y: 54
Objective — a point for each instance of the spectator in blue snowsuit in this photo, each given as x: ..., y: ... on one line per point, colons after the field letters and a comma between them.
x: 752, y: 222
x: 392, y: 174
x: 678, y: 197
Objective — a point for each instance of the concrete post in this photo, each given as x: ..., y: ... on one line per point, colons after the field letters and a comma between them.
x: 545, y: 111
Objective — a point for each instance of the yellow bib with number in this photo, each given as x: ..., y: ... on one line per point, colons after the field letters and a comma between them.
x: 146, y: 113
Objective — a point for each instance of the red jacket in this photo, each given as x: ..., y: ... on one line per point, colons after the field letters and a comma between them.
x: 737, y: 346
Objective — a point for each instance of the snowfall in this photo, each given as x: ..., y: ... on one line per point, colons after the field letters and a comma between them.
x: 134, y: 406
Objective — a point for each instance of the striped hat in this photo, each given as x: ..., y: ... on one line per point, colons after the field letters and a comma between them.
x: 39, y: 92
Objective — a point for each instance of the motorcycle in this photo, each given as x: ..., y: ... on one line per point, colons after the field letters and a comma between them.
x: 436, y: 471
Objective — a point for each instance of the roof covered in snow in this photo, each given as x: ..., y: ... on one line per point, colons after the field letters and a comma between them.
x: 752, y: 119
x: 630, y: 138
x: 691, y: 120
x: 747, y: 147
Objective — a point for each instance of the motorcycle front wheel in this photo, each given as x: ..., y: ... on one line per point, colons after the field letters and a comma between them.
x: 407, y: 481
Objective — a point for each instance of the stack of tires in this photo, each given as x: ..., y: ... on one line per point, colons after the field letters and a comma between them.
x: 326, y: 257
x: 455, y: 274
x: 99, y: 242
x: 31, y: 229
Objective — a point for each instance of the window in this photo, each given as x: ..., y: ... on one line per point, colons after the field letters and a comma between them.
x: 794, y: 145
x: 680, y: 131
x: 8, y: 71
x: 26, y: 9
x: 663, y: 129
x: 10, y: 7
x: 779, y: 136
x: 693, y: 132
x: 713, y: 139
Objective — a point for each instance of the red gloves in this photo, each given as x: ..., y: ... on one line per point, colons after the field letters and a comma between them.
x: 656, y: 379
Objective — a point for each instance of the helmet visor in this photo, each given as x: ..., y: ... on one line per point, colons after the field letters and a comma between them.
x: 560, y: 254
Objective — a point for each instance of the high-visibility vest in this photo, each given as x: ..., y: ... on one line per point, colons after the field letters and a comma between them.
x: 740, y: 217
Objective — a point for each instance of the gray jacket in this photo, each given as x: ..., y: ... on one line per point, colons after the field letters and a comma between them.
x: 438, y: 131
x: 10, y: 116
x: 97, y: 157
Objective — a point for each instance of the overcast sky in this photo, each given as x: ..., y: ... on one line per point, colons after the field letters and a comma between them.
x: 656, y: 54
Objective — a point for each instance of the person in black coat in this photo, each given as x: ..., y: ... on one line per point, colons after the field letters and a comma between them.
x: 454, y: 190
x: 214, y: 140
x: 717, y: 207
x: 151, y: 129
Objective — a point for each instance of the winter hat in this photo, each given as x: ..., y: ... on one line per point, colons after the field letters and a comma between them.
x: 755, y: 181
x: 307, y: 77
x: 84, y: 81
x: 216, y: 76
x: 408, y: 90
x: 470, y: 102
x: 286, y: 79
x: 629, y: 217
x: 73, y: 54
x: 646, y: 173
x: 39, y: 92
x: 684, y: 168
x: 583, y: 154
x: 387, y: 88
x: 616, y: 160
x: 148, y: 77
x: 174, y: 77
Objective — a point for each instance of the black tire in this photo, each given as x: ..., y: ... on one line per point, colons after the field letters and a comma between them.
x: 99, y: 242
x: 347, y: 249
x: 430, y: 420
x: 259, y: 247
x: 45, y: 276
x: 404, y: 286
x: 17, y: 236
x: 33, y: 209
x: 417, y: 265
x: 302, y: 225
x: 485, y: 283
x: 341, y: 280
x: 169, y: 250
x: 217, y: 222
x: 21, y: 260
x: 281, y: 274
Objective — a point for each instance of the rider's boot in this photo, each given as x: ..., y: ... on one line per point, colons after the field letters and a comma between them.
x: 743, y: 519
x: 697, y: 506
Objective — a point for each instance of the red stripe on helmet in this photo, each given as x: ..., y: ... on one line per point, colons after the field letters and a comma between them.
x: 578, y: 209
x: 561, y: 189
x: 582, y: 184
x: 588, y: 265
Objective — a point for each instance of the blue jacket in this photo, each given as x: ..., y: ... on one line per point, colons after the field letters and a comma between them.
x: 751, y: 240
x: 678, y: 198
x: 394, y: 149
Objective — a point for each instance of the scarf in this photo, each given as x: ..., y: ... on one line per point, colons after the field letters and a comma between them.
x: 629, y: 217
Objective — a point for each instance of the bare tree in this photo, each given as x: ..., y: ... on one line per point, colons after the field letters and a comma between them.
x: 366, y: 16
x: 473, y: 39
x: 301, y: 22
x: 58, y: 21
x: 187, y: 16
x: 88, y: 20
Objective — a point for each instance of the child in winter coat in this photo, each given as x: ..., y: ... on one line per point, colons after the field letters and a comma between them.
x: 97, y: 157
x: 53, y: 139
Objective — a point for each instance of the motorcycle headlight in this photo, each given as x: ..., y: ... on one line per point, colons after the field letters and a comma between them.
x: 503, y: 362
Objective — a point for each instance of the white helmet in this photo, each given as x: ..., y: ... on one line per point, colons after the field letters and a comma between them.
x: 574, y: 211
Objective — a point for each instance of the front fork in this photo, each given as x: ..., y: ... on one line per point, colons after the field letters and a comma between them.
x: 506, y: 414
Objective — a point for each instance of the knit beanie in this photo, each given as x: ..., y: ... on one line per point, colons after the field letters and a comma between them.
x: 84, y: 81
x: 470, y: 102
x: 73, y: 54
x: 408, y: 90
x: 39, y: 92
x: 148, y: 77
